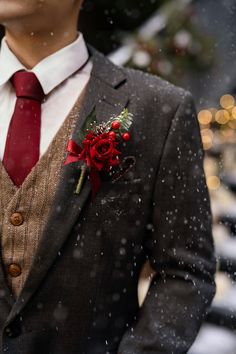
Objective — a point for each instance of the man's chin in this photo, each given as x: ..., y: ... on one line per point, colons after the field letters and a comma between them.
x: 11, y: 10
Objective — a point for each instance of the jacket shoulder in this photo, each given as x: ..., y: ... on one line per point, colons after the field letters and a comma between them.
x: 153, y: 88
x: 144, y: 88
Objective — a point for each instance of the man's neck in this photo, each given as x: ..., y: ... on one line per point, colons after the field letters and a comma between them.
x: 31, y: 48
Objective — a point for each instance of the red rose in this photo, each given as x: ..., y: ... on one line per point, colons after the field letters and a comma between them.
x: 99, y: 151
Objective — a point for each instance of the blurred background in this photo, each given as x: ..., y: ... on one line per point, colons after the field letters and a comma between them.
x: 192, y: 44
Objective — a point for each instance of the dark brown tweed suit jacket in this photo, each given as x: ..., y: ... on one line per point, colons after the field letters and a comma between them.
x: 81, y: 293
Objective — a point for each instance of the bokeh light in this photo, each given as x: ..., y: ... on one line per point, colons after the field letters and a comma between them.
x: 205, y: 117
x: 222, y: 116
x: 227, y: 101
x: 213, y: 182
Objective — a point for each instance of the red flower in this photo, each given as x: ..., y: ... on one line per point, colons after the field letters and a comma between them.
x: 99, y: 151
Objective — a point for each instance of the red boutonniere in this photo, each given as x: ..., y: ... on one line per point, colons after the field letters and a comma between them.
x: 99, y: 150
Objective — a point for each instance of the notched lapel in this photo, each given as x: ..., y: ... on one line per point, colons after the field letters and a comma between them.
x: 100, y: 92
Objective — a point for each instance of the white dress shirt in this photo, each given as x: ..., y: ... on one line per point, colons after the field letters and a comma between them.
x: 61, y: 81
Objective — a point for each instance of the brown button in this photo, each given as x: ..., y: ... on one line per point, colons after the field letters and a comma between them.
x: 14, y: 270
x: 16, y: 219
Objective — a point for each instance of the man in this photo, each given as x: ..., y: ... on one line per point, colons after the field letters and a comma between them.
x: 70, y: 263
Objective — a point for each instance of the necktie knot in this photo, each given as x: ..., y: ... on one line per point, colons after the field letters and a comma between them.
x: 27, y: 85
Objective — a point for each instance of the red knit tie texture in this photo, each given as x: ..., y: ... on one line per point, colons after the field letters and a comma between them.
x: 23, y: 139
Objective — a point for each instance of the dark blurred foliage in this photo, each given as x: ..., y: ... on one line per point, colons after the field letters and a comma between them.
x: 103, y: 21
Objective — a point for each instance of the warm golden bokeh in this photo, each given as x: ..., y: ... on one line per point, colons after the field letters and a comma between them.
x: 233, y: 112
x: 207, y: 138
x: 227, y: 101
x: 222, y: 116
x: 205, y: 117
x: 213, y: 182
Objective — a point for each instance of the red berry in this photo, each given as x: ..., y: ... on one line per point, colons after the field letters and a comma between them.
x: 125, y: 136
x: 115, y: 125
x: 112, y: 135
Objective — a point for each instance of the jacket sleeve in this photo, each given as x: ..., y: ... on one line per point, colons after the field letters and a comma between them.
x: 179, y: 246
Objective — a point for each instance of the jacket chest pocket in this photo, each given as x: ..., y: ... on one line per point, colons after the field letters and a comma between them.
x: 115, y: 216
x: 120, y: 189
x: 118, y: 204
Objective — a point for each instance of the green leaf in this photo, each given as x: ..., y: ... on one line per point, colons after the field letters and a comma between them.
x: 89, y: 122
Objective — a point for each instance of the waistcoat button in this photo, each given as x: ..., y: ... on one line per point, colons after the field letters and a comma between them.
x: 14, y: 270
x: 12, y: 332
x: 16, y: 219
x: 14, y: 329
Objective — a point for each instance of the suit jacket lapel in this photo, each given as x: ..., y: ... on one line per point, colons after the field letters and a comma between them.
x: 103, y: 93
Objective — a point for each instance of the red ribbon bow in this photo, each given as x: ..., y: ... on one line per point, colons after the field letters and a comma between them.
x: 74, y: 150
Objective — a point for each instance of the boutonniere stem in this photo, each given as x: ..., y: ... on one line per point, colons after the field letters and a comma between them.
x: 81, y: 179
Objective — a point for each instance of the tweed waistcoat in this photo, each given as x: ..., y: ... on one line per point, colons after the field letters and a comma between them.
x: 32, y: 201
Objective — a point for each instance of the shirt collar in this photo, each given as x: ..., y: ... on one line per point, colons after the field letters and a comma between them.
x: 66, y: 61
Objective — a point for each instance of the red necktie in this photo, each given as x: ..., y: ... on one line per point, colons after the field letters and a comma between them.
x: 23, y: 138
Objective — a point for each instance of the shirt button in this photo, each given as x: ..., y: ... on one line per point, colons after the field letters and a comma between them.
x: 16, y: 219
x: 14, y: 270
